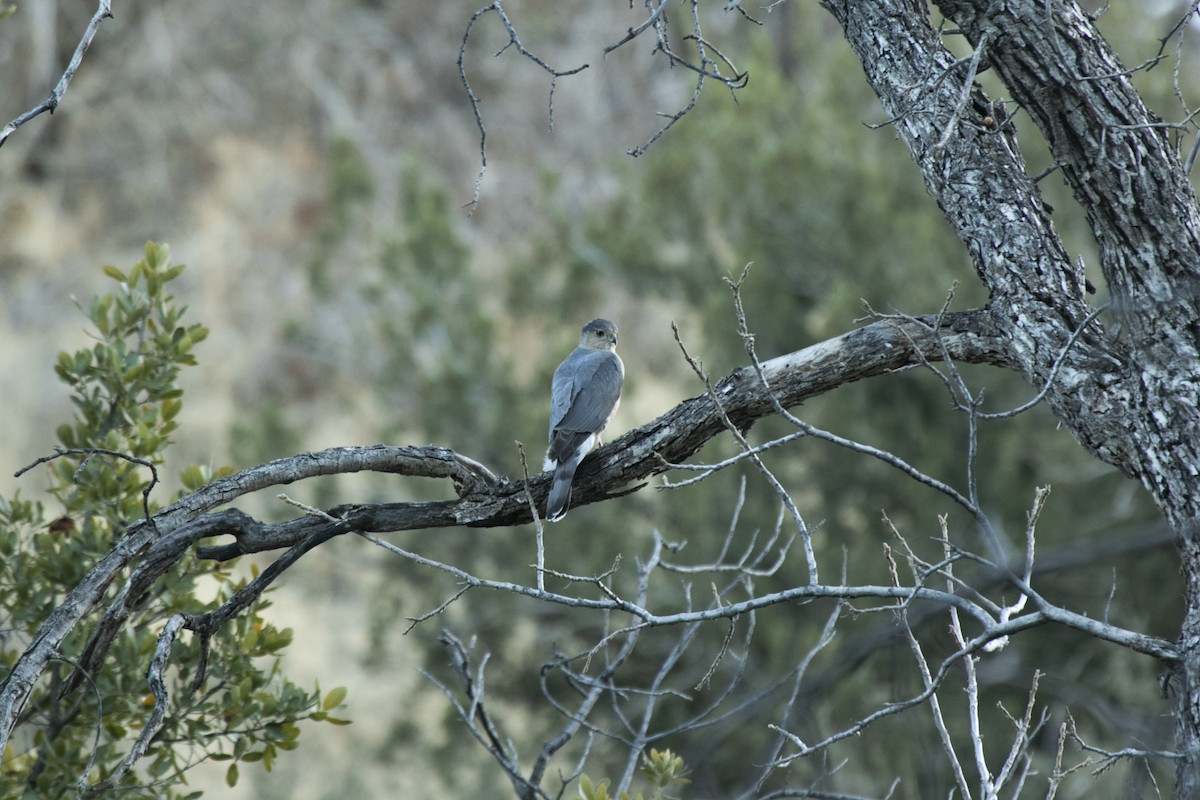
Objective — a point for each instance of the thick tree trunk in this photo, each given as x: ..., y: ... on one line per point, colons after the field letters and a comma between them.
x: 1129, y: 393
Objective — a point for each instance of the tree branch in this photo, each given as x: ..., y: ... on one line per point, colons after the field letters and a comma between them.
x: 514, y: 41
x: 485, y: 500
x: 103, y: 12
x: 874, y: 349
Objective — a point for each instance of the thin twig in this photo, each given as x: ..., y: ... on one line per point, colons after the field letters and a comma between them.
x: 87, y: 452
x: 1054, y: 369
x: 633, y: 33
x: 514, y: 41
x: 319, y: 513
x: 537, y: 522
x: 82, y: 784
x: 103, y: 12
x: 805, y: 539
x: 964, y: 95
x: 705, y: 69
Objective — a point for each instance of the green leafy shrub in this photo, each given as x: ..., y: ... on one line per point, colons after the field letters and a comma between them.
x: 127, y: 402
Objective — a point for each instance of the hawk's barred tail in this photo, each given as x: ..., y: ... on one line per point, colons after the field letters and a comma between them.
x: 560, y: 490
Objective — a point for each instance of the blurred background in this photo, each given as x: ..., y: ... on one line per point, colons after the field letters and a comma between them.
x: 311, y: 162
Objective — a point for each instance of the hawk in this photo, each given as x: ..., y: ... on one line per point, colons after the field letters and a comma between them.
x: 584, y: 393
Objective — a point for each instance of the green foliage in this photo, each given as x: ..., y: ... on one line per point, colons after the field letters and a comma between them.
x: 124, y: 390
x: 662, y: 768
x: 350, y: 187
x: 426, y: 330
x: 127, y: 401
x: 434, y: 316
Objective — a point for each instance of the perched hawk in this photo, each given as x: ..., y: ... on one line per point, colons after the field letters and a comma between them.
x: 583, y: 396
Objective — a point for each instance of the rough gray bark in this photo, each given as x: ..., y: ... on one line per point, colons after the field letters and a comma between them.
x: 1129, y: 393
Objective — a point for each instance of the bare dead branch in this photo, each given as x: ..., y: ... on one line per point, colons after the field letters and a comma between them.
x: 540, y: 565
x: 1112, y: 756
x: 514, y: 41
x: 789, y: 708
x: 632, y: 33
x: 154, y: 676
x: 87, y: 452
x: 460, y: 660
x: 479, y: 724
x: 643, y: 452
x: 103, y: 12
x: 704, y: 66
x: 1025, y: 729
x: 671, y: 119
x: 801, y: 527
